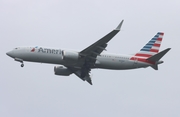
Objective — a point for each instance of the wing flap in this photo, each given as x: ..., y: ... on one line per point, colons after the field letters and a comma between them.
x: 88, y: 79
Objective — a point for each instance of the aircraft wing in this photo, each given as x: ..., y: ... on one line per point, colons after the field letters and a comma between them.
x: 88, y: 55
x: 91, y: 52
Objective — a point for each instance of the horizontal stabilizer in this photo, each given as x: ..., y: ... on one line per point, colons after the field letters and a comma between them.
x: 159, y: 55
x: 155, y: 67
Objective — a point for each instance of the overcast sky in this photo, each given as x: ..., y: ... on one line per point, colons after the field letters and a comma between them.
x: 34, y: 91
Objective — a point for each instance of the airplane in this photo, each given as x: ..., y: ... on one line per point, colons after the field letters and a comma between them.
x: 81, y: 62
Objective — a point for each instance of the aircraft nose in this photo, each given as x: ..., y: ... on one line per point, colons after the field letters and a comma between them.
x: 10, y: 53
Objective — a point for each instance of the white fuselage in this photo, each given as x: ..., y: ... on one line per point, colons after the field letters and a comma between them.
x: 54, y: 56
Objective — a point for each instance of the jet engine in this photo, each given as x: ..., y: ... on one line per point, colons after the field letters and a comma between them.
x: 70, y: 56
x: 61, y: 70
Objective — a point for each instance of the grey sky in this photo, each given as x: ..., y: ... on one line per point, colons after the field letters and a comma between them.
x: 34, y: 91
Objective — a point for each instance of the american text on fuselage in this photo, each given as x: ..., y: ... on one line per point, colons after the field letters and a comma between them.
x: 51, y: 51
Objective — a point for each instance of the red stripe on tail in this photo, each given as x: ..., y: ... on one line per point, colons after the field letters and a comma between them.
x: 154, y: 50
x: 142, y: 60
x: 159, y: 39
x: 143, y: 55
x: 157, y: 45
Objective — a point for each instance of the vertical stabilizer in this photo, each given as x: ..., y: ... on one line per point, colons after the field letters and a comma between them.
x: 152, y: 47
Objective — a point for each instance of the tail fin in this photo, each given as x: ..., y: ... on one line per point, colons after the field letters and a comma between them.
x: 152, y: 47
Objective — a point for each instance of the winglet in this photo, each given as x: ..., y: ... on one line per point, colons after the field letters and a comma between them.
x: 119, y: 26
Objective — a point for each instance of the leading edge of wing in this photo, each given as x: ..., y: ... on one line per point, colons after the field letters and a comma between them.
x: 103, y: 40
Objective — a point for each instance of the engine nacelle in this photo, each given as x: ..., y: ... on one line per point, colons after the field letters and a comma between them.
x: 61, y: 70
x: 70, y: 56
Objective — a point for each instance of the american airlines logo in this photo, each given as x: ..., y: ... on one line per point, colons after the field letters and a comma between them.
x: 34, y: 49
